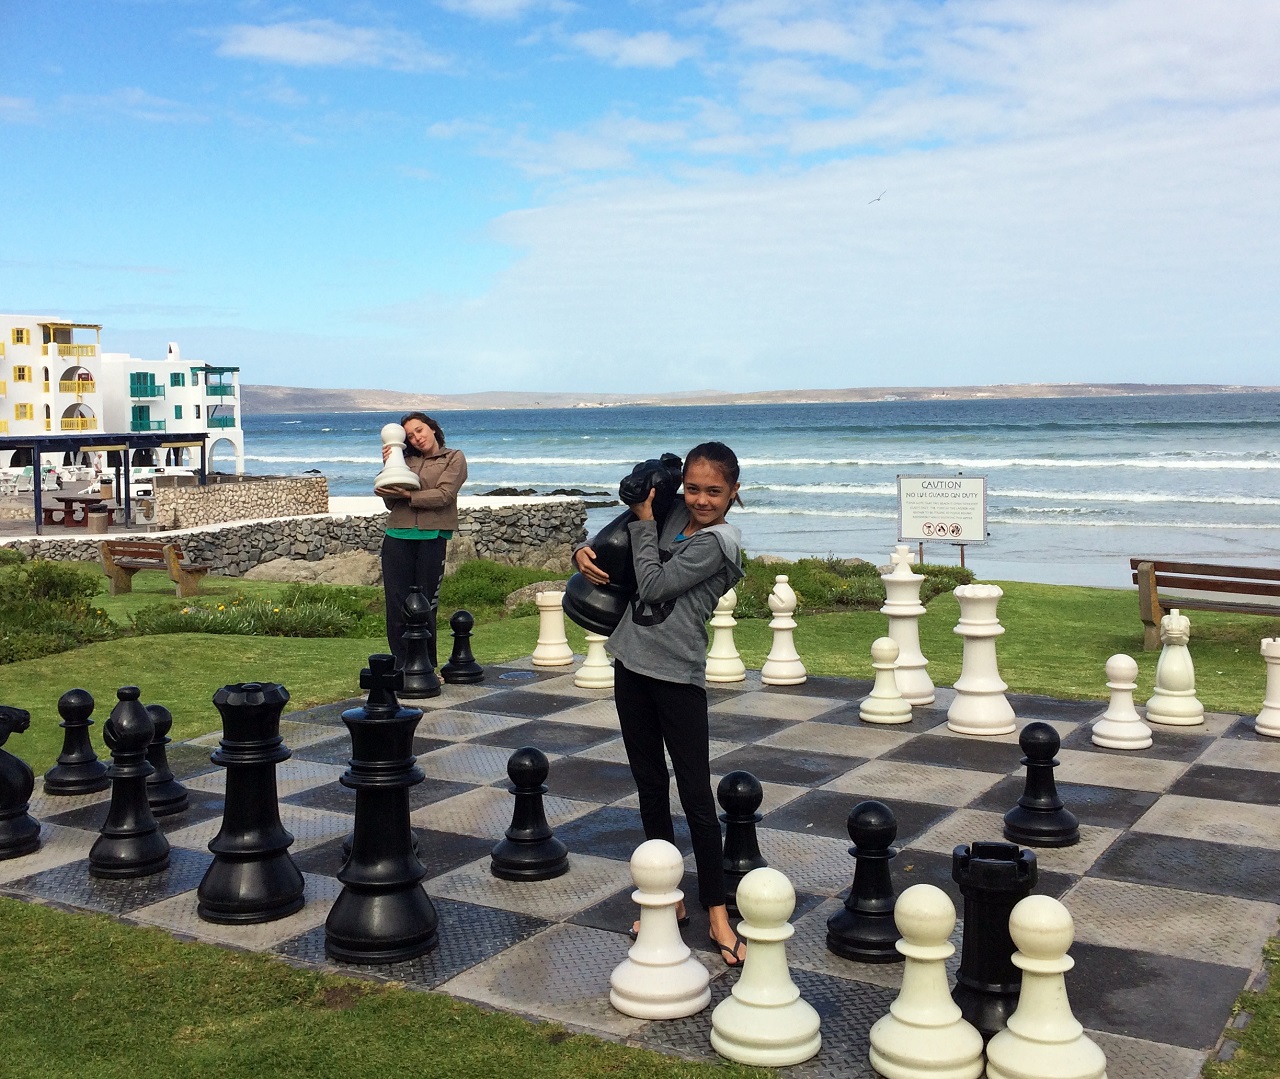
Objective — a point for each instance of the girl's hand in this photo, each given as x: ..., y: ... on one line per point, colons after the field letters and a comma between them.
x: 644, y: 510
x: 585, y: 559
x: 386, y: 452
x: 390, y: 492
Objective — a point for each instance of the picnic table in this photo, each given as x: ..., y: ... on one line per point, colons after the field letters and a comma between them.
x: 66, y: 513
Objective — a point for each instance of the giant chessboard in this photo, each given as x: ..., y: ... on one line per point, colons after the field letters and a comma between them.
x: 1173, y: 885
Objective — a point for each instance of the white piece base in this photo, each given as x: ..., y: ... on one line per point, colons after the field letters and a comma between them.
x: 765, y: 1037
x: 660, y: 992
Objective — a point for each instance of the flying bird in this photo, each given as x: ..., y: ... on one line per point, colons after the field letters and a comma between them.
x: 879, y: 196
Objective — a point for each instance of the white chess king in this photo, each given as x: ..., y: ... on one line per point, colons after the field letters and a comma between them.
x: 395, y: 474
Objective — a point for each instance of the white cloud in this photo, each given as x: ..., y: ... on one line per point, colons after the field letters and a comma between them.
x: 501, y: 10
x: 651, y: 48
x: 325, y: 43
x: 137, y: 104
x: 17, y: 110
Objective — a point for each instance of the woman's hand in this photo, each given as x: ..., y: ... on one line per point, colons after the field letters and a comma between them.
x: 585, y: 559
x: 644, y: 510
x: 390, y: 492
x: 386, y: 452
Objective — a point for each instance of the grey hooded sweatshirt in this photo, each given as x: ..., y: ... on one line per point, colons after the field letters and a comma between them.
x: 679, y: 582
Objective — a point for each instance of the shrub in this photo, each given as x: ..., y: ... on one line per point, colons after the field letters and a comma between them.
x: 11, y: 556
x: 834, y: 584
x: 480, y: 585
x: 44, y: 609
x: 247, y: 617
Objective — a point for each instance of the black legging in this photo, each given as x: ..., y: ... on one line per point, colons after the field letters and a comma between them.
x: 404, y: 564
x: 652, y: 713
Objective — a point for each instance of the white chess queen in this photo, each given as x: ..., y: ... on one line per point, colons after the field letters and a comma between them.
x: 419, y: 524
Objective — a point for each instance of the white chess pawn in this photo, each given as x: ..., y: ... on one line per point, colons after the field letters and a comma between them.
x: 395, y: 474
x: 553, y: 648
x: 723, y: 662
x: 980, y: 706
x: 764, y: 1022
x: 1268, y: 721
x: 782, y: 667
x: 902, y: 605
x: 924, y: 1033
x: 1173, y: 701
x: 884, y: 704
x: 596, y: 671
x: 1120, y: 726
x: 659, y: 979
x: 1042, y: 1036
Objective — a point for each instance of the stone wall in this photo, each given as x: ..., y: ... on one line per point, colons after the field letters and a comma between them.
x: 535, y: 534
x: 275, y: 496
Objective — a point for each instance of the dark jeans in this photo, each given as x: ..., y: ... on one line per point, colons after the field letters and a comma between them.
x: 404, y: 564
x: 653, y: 713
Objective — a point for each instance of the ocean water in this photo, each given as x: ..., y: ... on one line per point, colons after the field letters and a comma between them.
x: 1075, y: 487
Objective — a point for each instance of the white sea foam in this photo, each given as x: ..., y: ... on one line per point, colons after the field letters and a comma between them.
x: 1261, y: 461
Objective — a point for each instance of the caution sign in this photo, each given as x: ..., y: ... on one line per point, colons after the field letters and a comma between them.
x: 948, y: 508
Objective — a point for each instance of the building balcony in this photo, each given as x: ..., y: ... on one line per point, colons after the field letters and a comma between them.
x: 77, y: 386
x: 222, y: 421
x: 216, y: 390
x: 81, y: 351
x: 146, y: 425
x: 141, y: 391
x: 79, y: 423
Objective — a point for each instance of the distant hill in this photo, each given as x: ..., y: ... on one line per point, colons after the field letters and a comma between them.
x: 286, y: 399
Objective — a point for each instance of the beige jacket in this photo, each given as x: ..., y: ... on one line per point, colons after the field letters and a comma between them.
x: 435, y: 504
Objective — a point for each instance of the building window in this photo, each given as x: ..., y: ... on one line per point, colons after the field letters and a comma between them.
x: 195, y: 379
x: 197, y: 411
x: 177, y: 378
x: 177, y: 412
x: 24, y: 412
x: 21, y: 372
x: 20, y: 336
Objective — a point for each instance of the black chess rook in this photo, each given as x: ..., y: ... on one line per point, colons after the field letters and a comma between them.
x: 19, y: 830
x: 252, y: 878
x: 78, y: 770
x: 739, y: 794
x: 865, y: 929
x: 383, y: 913
x: 1039, y: 819
x: 130, y: 843
x: 165, y: 794
x: 462, y: 668
x: 420, y: 681
x: 993, y: 878
x: 529, y: 851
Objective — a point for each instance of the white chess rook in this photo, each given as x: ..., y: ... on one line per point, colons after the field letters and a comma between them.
x: 395, y: 474
x: 723, y: 662
x: 763, y: 1021
x: 884, y: 704
x: 659, y: 979
x: 1268, y: 721
x: 596, y: 671
x: 1120, y: 726
x: 1173, y: 701
x: 980, y: 706
x: 552, y: 649
x: 924, y: 1035
x: 782, y: 667
x: 1043, y: 1037
x: 902, y: 605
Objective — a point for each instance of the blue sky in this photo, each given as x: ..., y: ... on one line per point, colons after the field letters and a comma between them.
x: 457, y: 195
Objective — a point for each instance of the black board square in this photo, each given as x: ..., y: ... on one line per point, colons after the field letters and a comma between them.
x: 439, y: 852
x: 794, y: 767
x: 1104, y: 807
x: 1192, y: 865
x: 516, y: 702
x: 201, y: 806
x: 730, y: 727
x: 71, y: 884
x: 614, y: 832
x: 922, y: 719
x: 328, y: 714
x: 929, y: 867
x: 587, y: 780
x: 550, y: 736
x: 975, y: 754
x: 817, y: 685
x: 1229, y: 784
x: 1164, y: 746
x: 1032, y: 706
x: 826, y: 813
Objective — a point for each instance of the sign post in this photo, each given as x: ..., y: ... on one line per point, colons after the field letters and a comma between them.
x: 950, y: 509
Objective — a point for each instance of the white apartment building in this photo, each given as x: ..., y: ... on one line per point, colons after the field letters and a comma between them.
x: 54, y: 378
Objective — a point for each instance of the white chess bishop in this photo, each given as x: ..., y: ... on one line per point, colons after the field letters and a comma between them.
x: 395, y: 474
x: 924, y: 1036
x: 1173, y: 701
x: 902, y: 605
x: 659, y: 979
x: 1120, y: 726
x: 552, y: 649
x: 782, y: 667
x: 763, y: 1021
x: 1043, y: 1037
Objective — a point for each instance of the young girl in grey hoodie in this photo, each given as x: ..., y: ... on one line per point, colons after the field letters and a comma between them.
x: 660, y: 650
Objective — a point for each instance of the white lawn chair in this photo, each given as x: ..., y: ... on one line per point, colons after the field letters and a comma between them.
x: 26, y: 481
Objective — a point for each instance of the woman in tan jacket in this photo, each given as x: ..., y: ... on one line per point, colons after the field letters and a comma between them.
x: 419, y: 524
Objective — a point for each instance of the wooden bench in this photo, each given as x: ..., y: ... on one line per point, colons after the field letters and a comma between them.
x: 121, y: 559
x: 1152, y: 576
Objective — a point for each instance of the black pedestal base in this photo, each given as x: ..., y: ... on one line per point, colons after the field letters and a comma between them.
x: 139, y: 860
x: 246, y: 893
x: 405, y: 920
x: 543, y: 860
x: 19, y: 835
x: 863, y: 938
x: 167, y: 798
x: 66, y: 780
x: 1038, y: 828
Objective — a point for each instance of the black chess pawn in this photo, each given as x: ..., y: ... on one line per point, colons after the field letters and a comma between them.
x: 78, y: 770
x: 462, y: 668
x: 19, y: 830
x: 865, y: 930
x: 166, y: 795
x: 419, y: 638
x: 739, y: 794
x: 1039, y: 819
x: 993, y: 879
x: 130, y: 843
x: 529, y: 851
x: 252, y: 878
x: 383, y: 913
